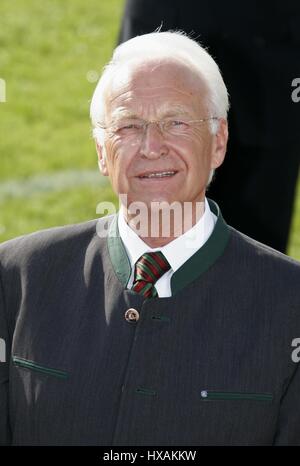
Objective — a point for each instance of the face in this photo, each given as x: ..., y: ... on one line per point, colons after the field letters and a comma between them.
x: 159, y: 166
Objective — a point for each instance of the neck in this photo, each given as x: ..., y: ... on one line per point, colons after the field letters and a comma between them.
x: 160, y: 225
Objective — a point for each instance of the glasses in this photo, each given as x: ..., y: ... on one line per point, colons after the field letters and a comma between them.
x: 135, y: 128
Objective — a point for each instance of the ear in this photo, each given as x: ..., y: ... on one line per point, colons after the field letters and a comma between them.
x: 219, y: 144
x: 101, y: 159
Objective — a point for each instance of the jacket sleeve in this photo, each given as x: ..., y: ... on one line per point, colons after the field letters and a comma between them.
x: 288, y: 432
x: 5, y: 436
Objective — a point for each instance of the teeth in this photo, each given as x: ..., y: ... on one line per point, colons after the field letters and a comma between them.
x: 158, y: 175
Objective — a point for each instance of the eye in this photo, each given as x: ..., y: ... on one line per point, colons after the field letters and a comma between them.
x: 176, y: 126
x: 178, y: 123
x: 128, y: 128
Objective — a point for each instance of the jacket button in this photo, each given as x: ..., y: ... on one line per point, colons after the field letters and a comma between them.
x: 132, y: 315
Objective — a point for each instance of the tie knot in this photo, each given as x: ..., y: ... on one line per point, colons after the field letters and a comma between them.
x: 148, y: 269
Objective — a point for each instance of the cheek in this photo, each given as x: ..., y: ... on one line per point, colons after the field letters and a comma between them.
x: 112, y: 157
x: 118, y: 152
x: 193, y: 148
x: 202, y: 147
x: 112, y: 149
x: 118, y: 166
x: 201, y: 138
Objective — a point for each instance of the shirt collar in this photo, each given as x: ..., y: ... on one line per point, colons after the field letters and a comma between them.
x: 178, y: 251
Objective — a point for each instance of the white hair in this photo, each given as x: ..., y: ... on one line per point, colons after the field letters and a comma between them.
x: 163, y: 44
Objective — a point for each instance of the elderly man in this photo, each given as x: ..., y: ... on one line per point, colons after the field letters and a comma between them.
x: 185, y: 335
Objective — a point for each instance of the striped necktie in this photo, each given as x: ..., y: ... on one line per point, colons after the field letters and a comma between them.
x: 148, y: 269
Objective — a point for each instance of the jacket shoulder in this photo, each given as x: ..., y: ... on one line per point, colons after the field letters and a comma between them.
x: 261, y: 256
x: 49, y: 241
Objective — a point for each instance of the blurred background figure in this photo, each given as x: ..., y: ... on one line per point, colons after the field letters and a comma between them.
x: 257, y: 46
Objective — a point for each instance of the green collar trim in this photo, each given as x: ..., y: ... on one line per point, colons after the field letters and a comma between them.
x: 118, y: 254
x: 204, y: 258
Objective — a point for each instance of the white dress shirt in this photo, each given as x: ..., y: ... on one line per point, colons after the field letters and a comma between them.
x: 177, y: 252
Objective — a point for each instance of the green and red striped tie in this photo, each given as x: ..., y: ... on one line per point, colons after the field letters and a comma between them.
x: 148, y: 269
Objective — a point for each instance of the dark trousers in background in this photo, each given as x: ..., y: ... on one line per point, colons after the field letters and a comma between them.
x: 256, y: 189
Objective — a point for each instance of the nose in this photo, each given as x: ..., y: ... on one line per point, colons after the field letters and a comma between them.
x: 153, y: 143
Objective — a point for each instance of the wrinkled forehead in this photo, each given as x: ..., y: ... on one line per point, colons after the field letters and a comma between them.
x: 152, y: 76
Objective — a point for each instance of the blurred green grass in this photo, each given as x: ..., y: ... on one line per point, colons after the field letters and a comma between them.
x: 47, y: 50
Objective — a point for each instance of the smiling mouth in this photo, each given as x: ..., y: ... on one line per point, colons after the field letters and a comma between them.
x: 162, y: 174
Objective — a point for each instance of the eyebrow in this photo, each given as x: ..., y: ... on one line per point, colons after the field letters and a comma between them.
x: 169, y: 112
x: 124, y: 114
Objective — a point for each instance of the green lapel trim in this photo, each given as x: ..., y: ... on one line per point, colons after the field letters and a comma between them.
x: 207, y: 395
x: 206, y: 256
x: 27, y: 364
x: 191, y: 269
x: 118, y: 254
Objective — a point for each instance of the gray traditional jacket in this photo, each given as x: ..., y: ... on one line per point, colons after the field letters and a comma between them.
x: 211, y: 365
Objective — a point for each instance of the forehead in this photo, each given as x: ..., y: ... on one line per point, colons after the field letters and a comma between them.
x: 154, y: 83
